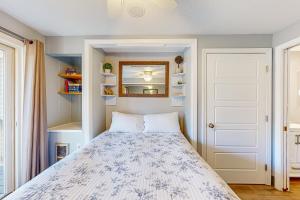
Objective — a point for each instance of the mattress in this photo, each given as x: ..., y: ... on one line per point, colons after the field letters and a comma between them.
x: 129, y: 166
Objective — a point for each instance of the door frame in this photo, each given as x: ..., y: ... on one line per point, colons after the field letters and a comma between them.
x: 203, y: 139
x: 18, y: 107
x: 280, y: 138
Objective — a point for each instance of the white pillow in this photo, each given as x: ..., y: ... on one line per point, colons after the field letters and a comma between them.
x: 125, y: 123
x: 163, y: 123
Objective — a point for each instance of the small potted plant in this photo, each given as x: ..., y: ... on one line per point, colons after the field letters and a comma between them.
x: 107, y: 68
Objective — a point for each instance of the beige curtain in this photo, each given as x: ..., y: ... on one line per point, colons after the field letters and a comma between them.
x: 34, y: 124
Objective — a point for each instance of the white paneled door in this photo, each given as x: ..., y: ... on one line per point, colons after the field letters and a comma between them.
x: 237, y: 88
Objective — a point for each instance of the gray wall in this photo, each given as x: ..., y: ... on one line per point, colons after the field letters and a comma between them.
x: 16, y: 26
x: 287, y: 34
x: 74, y: 45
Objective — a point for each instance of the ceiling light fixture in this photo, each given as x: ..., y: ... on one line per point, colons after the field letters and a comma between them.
x: 135, y: 8
x: 147, y: 76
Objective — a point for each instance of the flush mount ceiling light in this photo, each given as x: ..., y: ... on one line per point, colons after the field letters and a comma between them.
x: 136, y: 8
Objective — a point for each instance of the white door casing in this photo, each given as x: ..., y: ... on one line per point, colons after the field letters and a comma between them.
x: 237, y: 92
x: 8, y: 103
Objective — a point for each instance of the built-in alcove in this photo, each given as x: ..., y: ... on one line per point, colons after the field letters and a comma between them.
x: 64, y: 104
x: 98, y: 106
x: 146, y: 105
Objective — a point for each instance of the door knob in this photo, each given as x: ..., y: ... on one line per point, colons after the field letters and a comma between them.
x: 211, y: 125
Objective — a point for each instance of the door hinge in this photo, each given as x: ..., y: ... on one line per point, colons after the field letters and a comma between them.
x: 285, y: 128
x: 266, y: 167
x: 285, y: 189
x: 267, y: 68
x: 267, y: 118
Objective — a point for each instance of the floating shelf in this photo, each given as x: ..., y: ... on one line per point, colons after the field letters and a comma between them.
x: 104, y: 95
x: 179, y: 85
x: 110, y: 81
x: 143, y: 83
x: 108, y: 74
x: 178, y: 74
x: 182, y: 95
x: 69, y: 93
x: 109, y: 84
x: 70, y: 76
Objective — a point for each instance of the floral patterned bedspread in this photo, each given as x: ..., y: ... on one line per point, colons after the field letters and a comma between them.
x: 129, y: 166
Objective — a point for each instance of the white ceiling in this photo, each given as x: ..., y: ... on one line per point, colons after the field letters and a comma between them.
x: 89, y: 17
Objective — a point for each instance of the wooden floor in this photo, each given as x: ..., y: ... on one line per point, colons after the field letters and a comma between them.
x: 261, y: 192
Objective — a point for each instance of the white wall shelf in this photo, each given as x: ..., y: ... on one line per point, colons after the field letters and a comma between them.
x: 178, y: 74
x: 110, y: 81
x: 178, y: 85
x: 109, y: 84
x: 178, y: 89
x: 108, y: 74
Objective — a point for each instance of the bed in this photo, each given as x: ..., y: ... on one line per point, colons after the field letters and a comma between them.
x: 129, y: 166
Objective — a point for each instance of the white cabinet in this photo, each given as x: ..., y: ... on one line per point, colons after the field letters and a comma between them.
x: 294, y: 153
x: 63, y: 140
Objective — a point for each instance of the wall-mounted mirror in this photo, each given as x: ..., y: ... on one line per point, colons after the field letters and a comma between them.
x: 144, y: 79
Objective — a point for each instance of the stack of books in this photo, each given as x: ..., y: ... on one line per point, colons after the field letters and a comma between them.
x: 72, y: 87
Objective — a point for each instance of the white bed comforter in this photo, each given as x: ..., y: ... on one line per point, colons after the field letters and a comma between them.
x: 129, y: 166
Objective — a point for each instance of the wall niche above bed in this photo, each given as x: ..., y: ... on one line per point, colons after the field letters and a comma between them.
x: 144, y: 78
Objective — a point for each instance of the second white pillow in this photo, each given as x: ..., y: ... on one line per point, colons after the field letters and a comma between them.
x: 164, y: 123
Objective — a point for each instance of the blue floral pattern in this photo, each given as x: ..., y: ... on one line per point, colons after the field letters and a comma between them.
x: 129, y: 166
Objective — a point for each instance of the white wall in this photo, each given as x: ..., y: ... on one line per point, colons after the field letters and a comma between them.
x: 140, y: 105
x: 294, y: 87
x: 98, y: 109
x: 187, y: 103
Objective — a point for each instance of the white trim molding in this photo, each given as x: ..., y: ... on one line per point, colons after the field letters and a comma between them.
x: 203, y: 139
x: 133, y: 43
x: 280, y: 151
x: 19, y: 48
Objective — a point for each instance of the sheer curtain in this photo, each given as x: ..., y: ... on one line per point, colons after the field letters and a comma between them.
x: 34, y: 124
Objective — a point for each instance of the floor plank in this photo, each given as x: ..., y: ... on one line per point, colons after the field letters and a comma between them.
x: 262, y: 192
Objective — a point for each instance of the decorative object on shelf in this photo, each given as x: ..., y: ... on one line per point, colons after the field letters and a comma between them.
x: 70, y: 70
x: 61, y: 150
x: 179, y: 60
x: 107, y: 68
x: 108, y: 91
x: 73, y: 86
x: 73, y: 83
x: 180, y: 82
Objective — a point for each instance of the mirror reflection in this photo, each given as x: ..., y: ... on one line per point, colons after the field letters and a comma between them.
x: 144, y: 78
